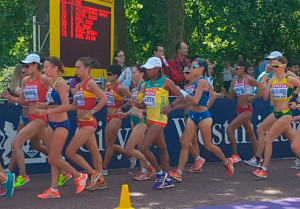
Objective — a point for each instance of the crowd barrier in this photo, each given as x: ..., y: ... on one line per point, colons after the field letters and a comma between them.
x: 223, y: 112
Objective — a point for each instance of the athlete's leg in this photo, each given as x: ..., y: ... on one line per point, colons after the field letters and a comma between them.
x: 250, y: 132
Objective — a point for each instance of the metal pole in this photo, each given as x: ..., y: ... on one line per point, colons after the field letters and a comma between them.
x: 39, y: 37
x: 34, y: 33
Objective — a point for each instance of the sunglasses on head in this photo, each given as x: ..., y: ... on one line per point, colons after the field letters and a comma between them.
x: 277, y: 66
x: 109, y: 74
x: 195, y: 66
x: 237, y: 68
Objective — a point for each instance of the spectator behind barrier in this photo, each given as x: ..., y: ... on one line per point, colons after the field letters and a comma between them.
x: 227, y: 76
x: 119, y: 59
x: 159, y: 51
x: 293, y: 66
x: 178, y: 63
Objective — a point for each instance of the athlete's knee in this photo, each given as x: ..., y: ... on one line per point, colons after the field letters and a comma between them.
x: 128, y: 151
x: 209, y: 147
x: 229, y: 130
x: 70, y: 153
x: 16, y: 145
x: 295, y: 148
x: 260, y: 130
x: 185, y: 144
x: 52, y: 159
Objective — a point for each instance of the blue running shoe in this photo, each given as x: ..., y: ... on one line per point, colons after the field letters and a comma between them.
x: 160, y: 180
x: 9, y: 185
x: 168, y: 184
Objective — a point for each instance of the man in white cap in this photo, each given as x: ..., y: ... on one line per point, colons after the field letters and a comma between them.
x: 156, y: 100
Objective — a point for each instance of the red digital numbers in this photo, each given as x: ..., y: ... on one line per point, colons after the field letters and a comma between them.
x: 81, y: 19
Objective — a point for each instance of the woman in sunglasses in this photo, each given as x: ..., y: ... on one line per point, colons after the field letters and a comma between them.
x: 116, y: 93
x: 199, y: 117
x: 281, y: 90
x: 85, y: 104
x: 194, y: 147
x: 243, y: 88
x: 34, y: 90
x: 138, y: 121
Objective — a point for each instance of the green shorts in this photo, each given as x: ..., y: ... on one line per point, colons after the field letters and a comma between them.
x: 135, y: 120
x: 282, y: 113
x: 185, y: 116
x: 271, y: 108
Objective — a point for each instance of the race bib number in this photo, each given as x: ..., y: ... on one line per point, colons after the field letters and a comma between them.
x: 110, y: 97
x: 49, y: 97
x: 278, y: 93
x: 239, y: 89
x: 79, y: 98
x: 149, y: 99
x: 31, y: 94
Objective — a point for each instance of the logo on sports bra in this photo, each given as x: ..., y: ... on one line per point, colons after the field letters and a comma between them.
x: 150, y: 99
x: 49, y: 97
x: 31, y: 93
x: 79, y: 98
x: 110, y: 97
x: 190, y: 90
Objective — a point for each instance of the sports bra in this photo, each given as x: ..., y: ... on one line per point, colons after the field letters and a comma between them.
x: 114, y: 99
x: 242, y: 88
x: 85, y: 100
x: 34, y: 91
x: 190, y: 90
x: 205, y: 95
x: 52, y: 96
x: 281, y: 91
x: 138, y: 95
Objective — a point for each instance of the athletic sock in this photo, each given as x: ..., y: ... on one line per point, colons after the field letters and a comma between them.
x: 144, y: 170
x: 160, y: 172
x: 53, y: 190
x: 180, y: 172
x: 264, y: 168
x: 148, y: 163
x: 198, y: 157
x: 226, y: 162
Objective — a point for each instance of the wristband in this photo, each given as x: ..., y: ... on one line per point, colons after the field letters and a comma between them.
x: 92, y: 112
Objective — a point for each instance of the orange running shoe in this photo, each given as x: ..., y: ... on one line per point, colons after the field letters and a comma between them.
x: 229, y: 167
x: 94, y: 178
x: 236, y: 158
x: 151, y: 171
x: 49, y: 194
x: 81, y: 182
x: 260, y: 173
x: 142, y: 176
x: 176, y: 176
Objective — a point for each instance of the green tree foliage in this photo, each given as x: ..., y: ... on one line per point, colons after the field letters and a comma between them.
x: 16, y: 30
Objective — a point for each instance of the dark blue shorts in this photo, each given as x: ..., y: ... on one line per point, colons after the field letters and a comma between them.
x: 24, y: 119
x: 65, y: 124
x: 197, y: 117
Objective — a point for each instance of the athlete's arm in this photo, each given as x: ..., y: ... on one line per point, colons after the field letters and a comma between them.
x: 231, y: 94
x: 20, y: 100
x: 45, y: 80
x: 92, y: 87
x: 266, y: 92
x: 199, y: 91
x: 73, y: 106
x: 170, y: 86
x: 124, y: 91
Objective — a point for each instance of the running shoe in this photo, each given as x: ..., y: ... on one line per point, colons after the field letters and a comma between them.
x: 21, y: 180
x: 176, y: 176
x: 236, y: 158
x: 160, y: 180
x: 194, y: 169
x: 253, y: 162
x: 296, y: 164
x: 94, y: 178
x: 260, y: 173
x: 298, y: 174
x: 229, y: 167
x: 132, y: 161
x: 49, y: 194
x: 151, y: 171
x: 63, y: 178
x: 2, y: 191
x: 105, y: 172
x: 81, y: 182
x: 168, y: 184
x: 9, y: 185
x: 101, y: 184
x: 142, y: 176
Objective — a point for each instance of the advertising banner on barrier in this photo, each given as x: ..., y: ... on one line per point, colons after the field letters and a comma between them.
x: 223, y: 112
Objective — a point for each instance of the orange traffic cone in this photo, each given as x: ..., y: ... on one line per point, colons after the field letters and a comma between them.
x: 125, y: 198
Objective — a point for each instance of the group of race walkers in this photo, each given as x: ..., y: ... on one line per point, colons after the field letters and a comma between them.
x: 44, y: 97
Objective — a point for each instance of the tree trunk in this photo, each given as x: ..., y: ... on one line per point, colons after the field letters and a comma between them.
x: 120, y: 26
x: 175, y: 25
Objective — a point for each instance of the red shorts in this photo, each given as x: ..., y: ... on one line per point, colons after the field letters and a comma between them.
x: 83, y: 123
x: 150, y: 122
x: 33, y: 117
x: 109, y: 117
x: 244, y: 109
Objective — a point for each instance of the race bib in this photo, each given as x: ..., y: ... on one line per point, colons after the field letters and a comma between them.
x: 190, y: 90
x: 49, y: 97
x: 31, y: 93
x: 239, y: 89
x: 279, y: 93
x: 110, y: 97
x: 134, y: 95
x: 79, y: 98
x: 149, y: 99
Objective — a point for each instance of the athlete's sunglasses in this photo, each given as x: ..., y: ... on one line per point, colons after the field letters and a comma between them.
x: 277, y: 66
x: 186, y: 72
x: 195, y: 66
x: 28, y: 65
x: 237, y: 68
x: 109, y: 74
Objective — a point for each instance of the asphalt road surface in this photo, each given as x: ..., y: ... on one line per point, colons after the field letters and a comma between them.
x: 210, y: 188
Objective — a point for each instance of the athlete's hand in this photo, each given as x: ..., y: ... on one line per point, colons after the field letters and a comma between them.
x: 296, y: 118
x: 5, y: 94
x: 293, y: 105
x: 166, y: 110
x: 122, y: 115
x: 42, y: 105
x: 223, y: 90
x: 41, y: 112
x: 298, y: 106
x: 87, y: 116
x: 132, y: 101
x: 140, y: 115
